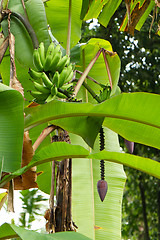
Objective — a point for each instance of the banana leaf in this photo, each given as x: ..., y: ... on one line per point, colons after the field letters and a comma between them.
x: 59, y: 23
x: 11, y: 231
x: 11, y: 128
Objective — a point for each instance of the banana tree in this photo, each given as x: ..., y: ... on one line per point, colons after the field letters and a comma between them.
x: 43, y: 136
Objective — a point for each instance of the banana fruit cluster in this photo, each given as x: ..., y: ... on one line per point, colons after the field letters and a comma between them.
x: 53, y: 73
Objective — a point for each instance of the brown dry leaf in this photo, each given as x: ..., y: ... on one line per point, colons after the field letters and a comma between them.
x: 3, y: 46
x: 14, y: 83
x: 128, y: 3
x: 97, y: 227
x: 10, y: 204
x: 32, y: 104
x: 135, y: 16
x: 3, y: 199
x: 157, y: 2
x: 28, y: 179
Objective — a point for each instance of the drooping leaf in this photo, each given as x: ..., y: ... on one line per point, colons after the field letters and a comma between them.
x: 123, y: 115
x: 54, y: 151
x: 95, y: 8
x: 102, y: 10
x: 11, y: 128
x: 146, y: 165
x: 135, y: 117
x: 10, y: 231
x: 59, y: 24
x: 85, y: 7
x: 108, y: 11
x: 55, y: 110
x: 58, y: 150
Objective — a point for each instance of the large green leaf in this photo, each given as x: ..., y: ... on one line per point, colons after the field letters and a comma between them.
x: 85, y: 7
x: 108, y: 11
x: 54, y: 151
x: 37, y: 18
x: 55, y: 110
x: 101, y: 9
x: 146, y: 165
x: 95, y: 7
x: 62, y: 150
x: 9, y: 231
x: 23, y: 41
x: 101, y: 220
x: 135, y: 117
x: 22, y: 75
x: 59, y: 23
x: 132, y: 115
x: 11, y: 128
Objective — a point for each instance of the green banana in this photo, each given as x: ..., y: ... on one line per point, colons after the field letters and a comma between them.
x: 61, y: 95
x: 55, y: 61
x: 62, y: 76
x: 34, y: 74
x: 36, y: 60
x: 47, y: 82
x: 41, y: 88
x: 57, y: 49
x: 41, y: 51
x: 54, y: 90
x: 50, y: 98
x: 66, y: 86
x: 49, y: 56
x: 69, y: 78
x: 55, y: 79
x: 38, y: 95
x: 69, y: 70
x: 62, y: 63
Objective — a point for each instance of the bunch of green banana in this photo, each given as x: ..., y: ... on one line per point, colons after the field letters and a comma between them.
x: 53, y: 72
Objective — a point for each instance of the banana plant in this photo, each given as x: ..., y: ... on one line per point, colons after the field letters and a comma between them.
x: 96, y: 68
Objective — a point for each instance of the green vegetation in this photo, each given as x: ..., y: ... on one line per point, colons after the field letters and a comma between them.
x: 49, y: 138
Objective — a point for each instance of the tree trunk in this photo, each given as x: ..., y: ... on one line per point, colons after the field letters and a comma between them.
x: 60, y: 215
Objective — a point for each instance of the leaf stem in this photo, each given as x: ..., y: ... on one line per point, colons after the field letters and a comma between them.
x: 89, y: 89
x: 87, y: 70
x: 94, y: 95
x: 64, y: 92
x: 69, y: 29
x: 24, y: 8
x: 107, y: 67
x: 43, y: 135
x: 28, y: 27
x: 90, y: 78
